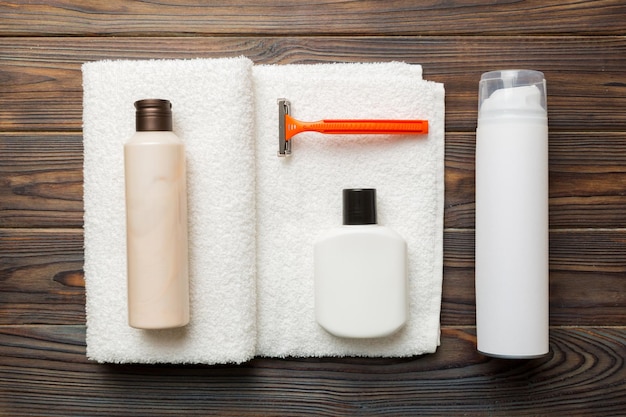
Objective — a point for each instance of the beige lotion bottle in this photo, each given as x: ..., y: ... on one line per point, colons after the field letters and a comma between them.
x: 156, y: 220
x: 360, y: 273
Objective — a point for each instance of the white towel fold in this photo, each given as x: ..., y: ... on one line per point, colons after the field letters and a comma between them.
x: 300, y: 196
x: 253, y: 217
x: 212, y: 113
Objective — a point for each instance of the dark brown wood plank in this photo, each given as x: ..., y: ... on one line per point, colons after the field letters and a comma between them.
x: 41, y: 180
x: 42, y: 279
x: 245, y: 17
x: 42, y: 83
x: 41, y: 276
x: 44, y: 368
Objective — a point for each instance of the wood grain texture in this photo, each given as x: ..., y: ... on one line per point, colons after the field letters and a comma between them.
x: 316, y: 17
x: 582, y: 376
x: 41, y: 180
x: 41, y: 276
x: 41, y: 87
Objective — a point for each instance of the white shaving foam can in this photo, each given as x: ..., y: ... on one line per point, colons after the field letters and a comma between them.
x: 512, y: 263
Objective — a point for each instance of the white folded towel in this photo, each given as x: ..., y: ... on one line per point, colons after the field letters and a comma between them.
x: 253, y: 217
x: 299, y: 197
x: 212, y: 113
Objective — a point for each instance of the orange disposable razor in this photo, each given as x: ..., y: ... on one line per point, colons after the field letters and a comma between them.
x: 289, y: 127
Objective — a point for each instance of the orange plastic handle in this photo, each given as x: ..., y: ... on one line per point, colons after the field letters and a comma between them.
x: 294, y: 126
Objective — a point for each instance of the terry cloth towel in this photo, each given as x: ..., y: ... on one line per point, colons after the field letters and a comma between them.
x: 299, y: 197
x: 212, y: 113
x: 253, y: 217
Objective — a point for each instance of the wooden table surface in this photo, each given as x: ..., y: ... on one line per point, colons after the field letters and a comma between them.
x: 579, y: 45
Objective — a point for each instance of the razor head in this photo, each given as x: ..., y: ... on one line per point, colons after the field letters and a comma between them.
x: 284, y: 145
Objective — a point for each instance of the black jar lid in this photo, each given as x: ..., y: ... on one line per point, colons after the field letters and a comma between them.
x: 359, y: 206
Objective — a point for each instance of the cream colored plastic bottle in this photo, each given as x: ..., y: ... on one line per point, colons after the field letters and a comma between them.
x: 156, y: 221
x: 361, y: 273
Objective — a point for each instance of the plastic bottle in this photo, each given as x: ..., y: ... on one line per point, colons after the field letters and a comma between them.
x: 360, y: 273
x: 512, y: 265
x: 156, y: 220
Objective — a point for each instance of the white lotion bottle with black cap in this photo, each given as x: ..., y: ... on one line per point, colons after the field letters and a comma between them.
x: 156, y: 220
x: 512, y: 266
x: 360, y: 273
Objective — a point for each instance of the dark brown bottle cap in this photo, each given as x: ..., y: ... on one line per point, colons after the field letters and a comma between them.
x: 153, y: 115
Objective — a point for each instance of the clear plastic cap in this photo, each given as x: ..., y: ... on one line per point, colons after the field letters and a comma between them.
x: 512, y: 93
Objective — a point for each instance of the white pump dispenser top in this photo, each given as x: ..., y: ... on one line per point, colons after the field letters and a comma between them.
x: 512, y: 93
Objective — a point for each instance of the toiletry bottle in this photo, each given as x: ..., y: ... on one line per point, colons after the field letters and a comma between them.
x: 360, y: 273
x: 512, y: 268
x: 156, y: 220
